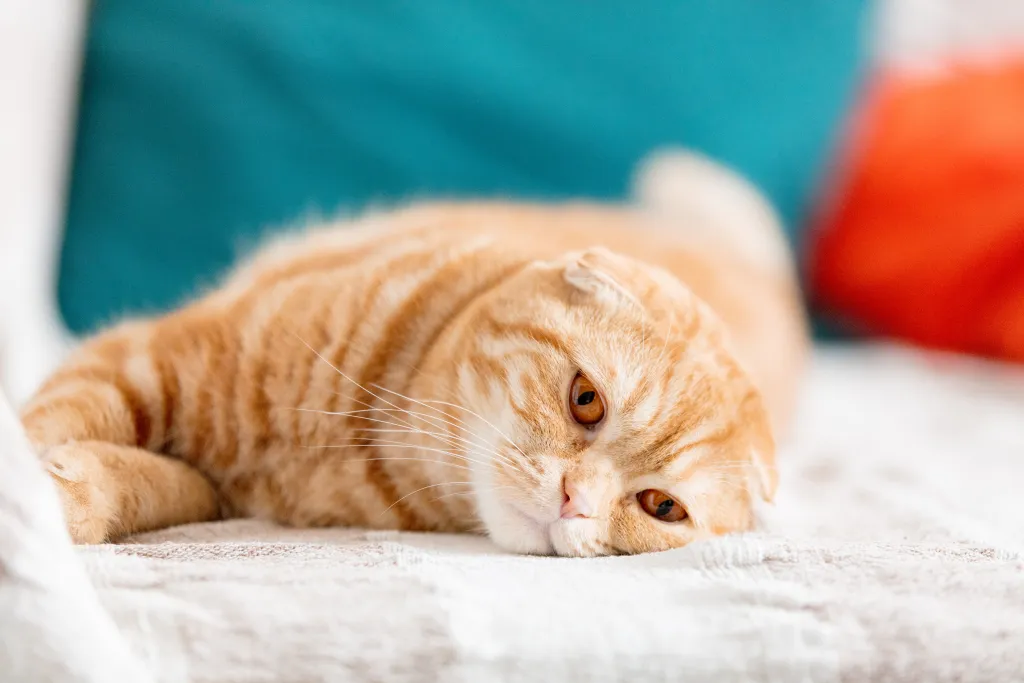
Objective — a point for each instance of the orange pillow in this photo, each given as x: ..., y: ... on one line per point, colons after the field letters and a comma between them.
x: 925, y: 237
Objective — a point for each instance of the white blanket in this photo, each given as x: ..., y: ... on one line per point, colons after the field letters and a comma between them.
x: 895, y: 553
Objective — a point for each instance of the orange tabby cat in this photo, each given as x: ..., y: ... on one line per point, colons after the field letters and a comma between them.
x: 577, y: 379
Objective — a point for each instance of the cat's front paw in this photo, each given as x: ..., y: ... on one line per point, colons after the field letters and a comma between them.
x: 88, y: 513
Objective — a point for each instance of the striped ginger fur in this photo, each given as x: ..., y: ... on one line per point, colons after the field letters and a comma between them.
x: 410, y: 370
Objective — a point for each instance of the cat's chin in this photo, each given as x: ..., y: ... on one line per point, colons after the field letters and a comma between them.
x: 515, y: 531
x: 574, y: 538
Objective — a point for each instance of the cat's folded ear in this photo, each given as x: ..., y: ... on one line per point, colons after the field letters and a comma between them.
x: 598, y: 271
x: 762, y: 444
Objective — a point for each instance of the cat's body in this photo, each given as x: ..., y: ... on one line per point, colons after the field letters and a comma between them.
x: 416, y: 370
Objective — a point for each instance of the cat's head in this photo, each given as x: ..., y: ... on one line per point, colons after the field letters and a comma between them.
x: 610, y: 415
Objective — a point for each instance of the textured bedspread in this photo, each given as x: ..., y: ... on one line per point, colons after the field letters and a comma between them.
x: 895, y: 553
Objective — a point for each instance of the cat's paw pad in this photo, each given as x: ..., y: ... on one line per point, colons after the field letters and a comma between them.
x: 87, y: 511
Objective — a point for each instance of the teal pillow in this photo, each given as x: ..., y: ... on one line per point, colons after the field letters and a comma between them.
x: 204, y: 123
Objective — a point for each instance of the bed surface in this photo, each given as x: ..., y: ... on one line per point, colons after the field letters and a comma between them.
x: 894, y: 554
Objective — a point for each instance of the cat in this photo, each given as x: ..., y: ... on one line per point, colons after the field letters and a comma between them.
x: 574, y: 379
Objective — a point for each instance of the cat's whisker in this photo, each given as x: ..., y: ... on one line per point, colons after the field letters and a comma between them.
x: 491, y: 489
x: 432, y: 420
x: 367, y: 441
x: 400, y: 444
x: 449, y: 439
x: 449, y: 495
x: 465, y: 425
x: 478, y: 444
x: 356, y: 414
x: 371, y: 407
x: 398, y: 410
x: 464, y: 455
x: 485, y: 421
x: 337, y: 370
x: 489, y: 449
x: 425, y: 404
x: 384, y: 400
x: 423, y: 488
x: 445, y: 438
x: 355, y: 460
x: 359, y: 415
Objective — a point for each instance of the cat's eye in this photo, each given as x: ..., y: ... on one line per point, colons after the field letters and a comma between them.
x: 585, y: 403
x: 660, y: 505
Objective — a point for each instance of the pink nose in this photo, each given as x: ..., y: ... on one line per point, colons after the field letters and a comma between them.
x: 574, y: 503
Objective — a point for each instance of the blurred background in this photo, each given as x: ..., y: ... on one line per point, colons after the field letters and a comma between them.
x: 146, y: 143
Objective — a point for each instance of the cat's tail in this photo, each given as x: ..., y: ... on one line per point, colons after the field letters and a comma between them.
x: 715, y: 205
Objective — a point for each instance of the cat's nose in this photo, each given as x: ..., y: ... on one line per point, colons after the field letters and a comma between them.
x: 574, y: 501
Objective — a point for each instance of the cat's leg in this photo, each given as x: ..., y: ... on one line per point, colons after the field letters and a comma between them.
x: 95, y: 424
x: 109, y: 490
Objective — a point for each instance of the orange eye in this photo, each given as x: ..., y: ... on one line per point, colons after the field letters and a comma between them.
x: 585, y: 403
x: 660, y: 505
